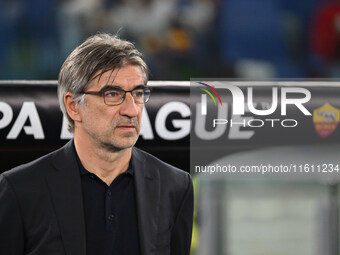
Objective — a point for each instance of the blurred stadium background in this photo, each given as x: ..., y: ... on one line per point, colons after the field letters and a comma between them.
x: 181, y: 39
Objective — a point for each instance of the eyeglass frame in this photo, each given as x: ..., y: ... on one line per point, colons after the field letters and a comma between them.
x: 110, y: 87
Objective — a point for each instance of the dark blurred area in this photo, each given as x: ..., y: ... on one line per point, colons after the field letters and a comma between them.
x: 179, y: 38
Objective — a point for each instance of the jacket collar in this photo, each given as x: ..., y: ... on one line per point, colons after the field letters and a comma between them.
x: 65, y: 188
x: 147, y: 188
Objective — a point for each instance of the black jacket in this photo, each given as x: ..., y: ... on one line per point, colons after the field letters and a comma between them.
x: 41, y: 209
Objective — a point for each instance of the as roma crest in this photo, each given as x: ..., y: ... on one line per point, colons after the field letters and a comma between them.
x: 326, y: 119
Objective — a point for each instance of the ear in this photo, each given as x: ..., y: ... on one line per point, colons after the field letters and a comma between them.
x: 72, y: 107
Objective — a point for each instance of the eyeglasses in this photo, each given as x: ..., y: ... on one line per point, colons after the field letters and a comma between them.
x: 116, y: 96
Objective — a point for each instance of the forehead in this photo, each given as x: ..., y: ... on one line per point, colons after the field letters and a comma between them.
x: 125, y: 77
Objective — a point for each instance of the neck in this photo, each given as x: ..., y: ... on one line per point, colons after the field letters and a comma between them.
x: 103, y: 163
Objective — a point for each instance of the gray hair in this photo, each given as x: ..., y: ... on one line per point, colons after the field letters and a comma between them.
x: 101, y: 52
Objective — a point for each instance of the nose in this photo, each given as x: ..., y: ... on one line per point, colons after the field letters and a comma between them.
x: 129, y: 107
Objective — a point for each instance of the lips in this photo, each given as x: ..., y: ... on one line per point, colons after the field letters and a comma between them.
x: 126, y: 127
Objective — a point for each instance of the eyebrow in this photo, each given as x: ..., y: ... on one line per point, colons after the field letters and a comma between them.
x: 108, y: 87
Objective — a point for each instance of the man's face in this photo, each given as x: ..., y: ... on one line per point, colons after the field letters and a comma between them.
x: 112, y: 127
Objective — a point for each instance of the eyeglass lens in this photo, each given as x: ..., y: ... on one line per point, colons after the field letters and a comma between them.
x: 116, y: 96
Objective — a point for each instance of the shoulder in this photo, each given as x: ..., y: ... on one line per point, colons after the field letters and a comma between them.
x: 164, y: 167
x: 167, y: 173
x: 23, y: 181
x: 31, y: 171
